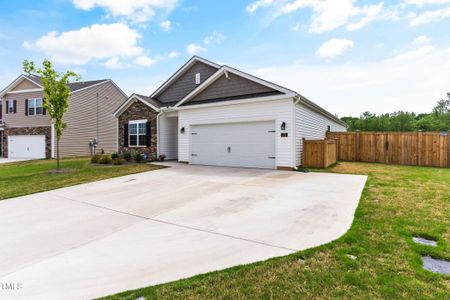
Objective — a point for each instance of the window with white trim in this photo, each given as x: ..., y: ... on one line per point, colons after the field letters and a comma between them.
x: 137, y: 133
x: 35, y: 106
x: 10, y: 107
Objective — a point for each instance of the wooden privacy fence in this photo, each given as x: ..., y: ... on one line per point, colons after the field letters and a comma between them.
x: 319, y: 153
x: 402, y: 148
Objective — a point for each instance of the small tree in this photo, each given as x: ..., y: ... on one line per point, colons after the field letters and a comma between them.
x: 56, y: 94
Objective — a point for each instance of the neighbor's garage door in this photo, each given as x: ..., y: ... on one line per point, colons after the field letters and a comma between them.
x: 250, y: 144
x: 26, y: 146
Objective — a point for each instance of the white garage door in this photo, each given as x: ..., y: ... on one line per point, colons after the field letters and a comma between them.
x: 249, y: 144
x: 26, y: 146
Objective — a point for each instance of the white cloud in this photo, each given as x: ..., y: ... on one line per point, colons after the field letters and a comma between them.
x: 403, y: 82
x: 166, y: 25
x: 138, y: 11
x: 144, y: 61
x: 372, y: 13
x: 421, y: 40
x: 429, y: 16
x: 415, y: 54
x: 173, y: 54
x: 425, y: 2
x: 214, y: 38
x: 329, y: 14
x: 97, y: 42
x: 334, y: 47
x: 252, y: 7
x: 194, y: 49
x: 114, y: 63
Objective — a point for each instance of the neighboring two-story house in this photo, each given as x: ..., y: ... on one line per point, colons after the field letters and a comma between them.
x: 26, y: 130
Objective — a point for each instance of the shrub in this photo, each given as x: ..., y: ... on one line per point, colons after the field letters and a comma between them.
x: 105, y: 160
x: 162, y: 157
x: 95, y: 159
x: 126, y: 156
x: 138, y: 157
x: 118, y: 161
x: 115, y: 155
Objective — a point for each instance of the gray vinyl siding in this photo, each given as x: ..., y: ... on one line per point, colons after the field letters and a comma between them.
x: 81, y: 119
x: 19, y: 119
x: 186, y: 82
x: 311, y: 125
x: 232, y: 86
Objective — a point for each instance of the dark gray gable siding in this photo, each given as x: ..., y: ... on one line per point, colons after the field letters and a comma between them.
x: 233, y: 87
x: 186, y: 83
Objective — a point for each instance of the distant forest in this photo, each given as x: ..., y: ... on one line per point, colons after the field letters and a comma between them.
x: 437, y: 120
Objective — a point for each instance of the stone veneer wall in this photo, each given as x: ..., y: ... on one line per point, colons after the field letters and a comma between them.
x: 47, y: 131
x: 139, y: 111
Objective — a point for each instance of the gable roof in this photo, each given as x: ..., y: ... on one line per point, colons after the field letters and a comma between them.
x: 225, y: 70
x: 73, y: 86
x: 152, y: 103
x: 180, y: 72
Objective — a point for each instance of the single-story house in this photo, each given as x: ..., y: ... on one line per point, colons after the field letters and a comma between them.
x: 210, y: 114
x: 26, y: 130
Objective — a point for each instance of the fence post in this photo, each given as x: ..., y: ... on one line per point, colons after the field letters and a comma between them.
x: 357, y: 146
x: 448, y: 149
x: 419, y: 147
x: 303, y: 152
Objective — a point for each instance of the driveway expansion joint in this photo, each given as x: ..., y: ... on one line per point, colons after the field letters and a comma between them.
x: 181, y: 225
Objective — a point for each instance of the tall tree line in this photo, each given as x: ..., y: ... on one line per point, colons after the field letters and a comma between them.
x: 437, y: 120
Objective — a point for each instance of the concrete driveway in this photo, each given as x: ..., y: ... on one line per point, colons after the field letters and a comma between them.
x: 101, y: 238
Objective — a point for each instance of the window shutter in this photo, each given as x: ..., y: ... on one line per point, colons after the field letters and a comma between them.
x: 44, y: 111
x: 1, y: 111
x: 15, y: 106
x: 26, y: 107
x: 148, y: 138
x: 7, y: 107
x: 125, y: 135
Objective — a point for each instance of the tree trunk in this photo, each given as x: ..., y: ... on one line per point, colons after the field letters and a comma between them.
x: 57, y: 153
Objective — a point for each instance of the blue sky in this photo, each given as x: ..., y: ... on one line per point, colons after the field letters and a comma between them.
x: 348, y: 56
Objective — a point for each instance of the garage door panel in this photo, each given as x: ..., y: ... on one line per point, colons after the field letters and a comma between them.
x: 250, y: 144
x: 26, y: 146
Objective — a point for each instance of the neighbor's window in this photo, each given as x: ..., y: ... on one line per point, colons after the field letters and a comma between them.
x: 35, y: 107
x: 137, y: 133
x: 10, y: 106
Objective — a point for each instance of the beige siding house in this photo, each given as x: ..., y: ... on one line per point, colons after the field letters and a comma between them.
x: 26, y: 130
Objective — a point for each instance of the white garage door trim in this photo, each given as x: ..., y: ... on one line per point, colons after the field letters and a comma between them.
x: 239, y: 144
x: 26, y: 146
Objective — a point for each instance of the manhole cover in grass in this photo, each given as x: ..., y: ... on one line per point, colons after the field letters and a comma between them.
x: 423, y: 241
x: 436, y: 265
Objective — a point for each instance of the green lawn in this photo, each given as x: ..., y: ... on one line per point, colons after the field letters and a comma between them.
x: 397, y: 203
x: 23, y: 178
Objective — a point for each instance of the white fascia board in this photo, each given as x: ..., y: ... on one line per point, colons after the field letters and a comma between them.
x: 235, y: 102
x: 128, y: 102
x: 320, y: 110
x: 181, y: 71
x: 226, y: 69
x: 25, y: 91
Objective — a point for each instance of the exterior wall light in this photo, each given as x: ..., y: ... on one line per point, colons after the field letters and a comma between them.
x: 283, y: 126
x: 182, y: 130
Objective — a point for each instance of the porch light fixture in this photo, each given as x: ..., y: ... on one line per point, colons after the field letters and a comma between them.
x: 182, y: 130
x: 283, y: 126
